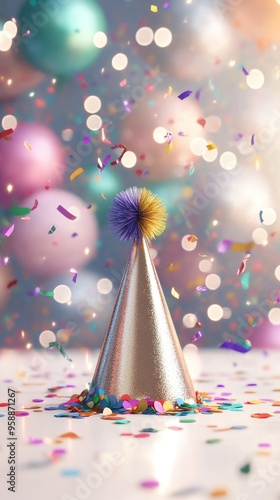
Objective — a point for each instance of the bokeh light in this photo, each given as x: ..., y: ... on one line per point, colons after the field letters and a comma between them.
x: 215, y: 312
x: 62, y: 294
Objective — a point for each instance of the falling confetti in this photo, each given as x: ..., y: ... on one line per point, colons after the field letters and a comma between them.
x: 27, y: 145
x: 76, y: 172
x: 60, y: 348
x: 185, y: 94
x: 174, y: 293
x: 66, y: 214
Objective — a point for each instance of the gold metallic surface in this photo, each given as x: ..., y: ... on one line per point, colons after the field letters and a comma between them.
x: 141, y: 354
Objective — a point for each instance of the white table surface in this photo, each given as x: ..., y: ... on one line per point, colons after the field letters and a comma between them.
x: 103, y: 464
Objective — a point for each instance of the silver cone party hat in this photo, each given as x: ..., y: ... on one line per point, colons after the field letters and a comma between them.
x: 141, y: 354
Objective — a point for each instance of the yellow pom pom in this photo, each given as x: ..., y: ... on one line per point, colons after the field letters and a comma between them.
x: 152, y: 215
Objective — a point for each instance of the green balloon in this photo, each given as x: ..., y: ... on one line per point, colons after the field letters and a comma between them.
x: 60, y: 41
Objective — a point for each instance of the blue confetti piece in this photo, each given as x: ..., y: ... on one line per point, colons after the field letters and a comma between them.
x: 2, y: 414
x: 68, y: 415
x: 71, y: 472
x: 261, y: 215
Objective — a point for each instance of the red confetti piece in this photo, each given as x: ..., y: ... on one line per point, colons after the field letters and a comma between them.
x: 12, y: 283
x: 201, y: 121
x: 65, y: 212
x: 4, y: 133
x: 121, y: 146
x: 261, y: 415
x: 242, y: 266
x: 36, y: 203
x: 185, y: 94
x: 3, y: 404
x: 142, y: 435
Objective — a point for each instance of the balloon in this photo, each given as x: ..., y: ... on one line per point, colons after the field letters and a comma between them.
x: 257, y: 20
x: 62, y: 31
x: 179, y: 117
x: 31, y: 159
x: 22, y: 76
x: 51, y: 241
x: 194, y: 52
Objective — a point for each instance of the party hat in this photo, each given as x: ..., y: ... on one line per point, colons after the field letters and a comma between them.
x: 141, y: 354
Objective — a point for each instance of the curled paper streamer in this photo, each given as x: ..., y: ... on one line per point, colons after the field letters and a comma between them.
x: 60, y: 348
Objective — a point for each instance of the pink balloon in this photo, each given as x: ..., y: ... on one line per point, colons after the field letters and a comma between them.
x: 23, y: 77
x: 50, y: 242
x: 29, y: 170
x: 176, y: 116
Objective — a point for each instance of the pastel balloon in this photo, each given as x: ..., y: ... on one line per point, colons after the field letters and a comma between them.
x: 61, y: 39
x: 257, y: 20
x: 31, y: 159
x: 18, y: 75
x: 145, y: 130
x: 61, y: 234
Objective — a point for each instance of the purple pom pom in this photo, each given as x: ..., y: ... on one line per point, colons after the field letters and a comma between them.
x: 123, y: 216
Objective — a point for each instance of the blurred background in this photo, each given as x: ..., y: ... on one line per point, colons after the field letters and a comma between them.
x: 89, y: 106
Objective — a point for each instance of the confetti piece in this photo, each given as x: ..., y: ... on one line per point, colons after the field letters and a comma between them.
x: 36, y: 203
x: 61, y: 350
x: 154, y: 8
x: 46, y: 293
x: 103, y: 196
x: 242, y: 266
x: 7, y: 231
x: 52, y: 230
x: 201, y: 121
x: 103, y: 137
x: 76, y: 172
x: 27, y: 145
x: 245, y: 71
x: 192, y: 238
x: 12, y: 283
x: 5, y: 133
x: 168, y: 93
x: 121, y: 146
x: 149, y: 484
x: 243, y: 347
x: 197, y: 336
x: 187, y: 420
x: 123, y: 83
x: 213, y: 441
x: 253, y: 140
x: 20, y: 211
x: 102, y: 165
x: 201, y: 288
x: 70, y: 435
x: 86, y: 140
x: 174, y: 293
x: 261, y: 415
x: 261, y: 215
x: 197, y: 94
x: 218, y: 493
x: 211, y: 146
x: 185, y: 94
x: 168, y: 148
x: 65, y: 212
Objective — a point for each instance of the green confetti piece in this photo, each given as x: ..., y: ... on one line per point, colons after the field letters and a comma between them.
x: 245, y: 280
x: 20, y: 210
x: 61, y: 350
x: 52, y: 230
x: 245, y: 469
x: 46, y: 293
x: 213, y: 441
x: 122, y: 421
x: 187, y: 420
